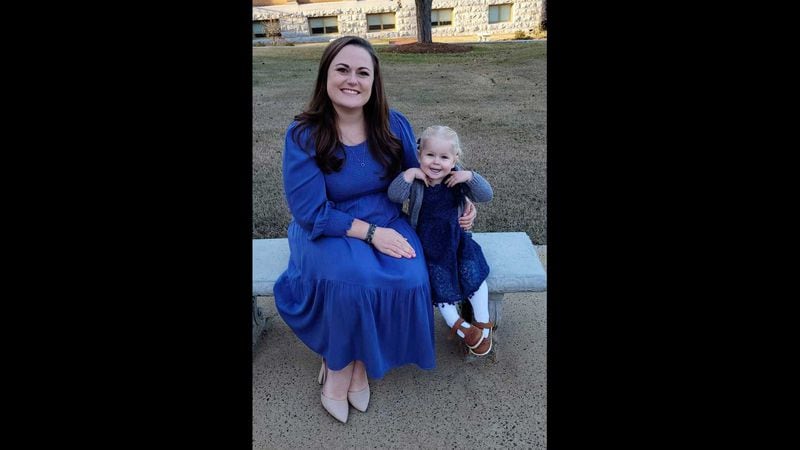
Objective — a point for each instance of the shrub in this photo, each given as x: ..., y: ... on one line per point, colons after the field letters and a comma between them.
x: 539, y: 33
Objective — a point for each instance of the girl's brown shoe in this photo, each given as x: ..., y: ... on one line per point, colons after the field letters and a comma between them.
x: 472, y: 335
x: 486, y: 344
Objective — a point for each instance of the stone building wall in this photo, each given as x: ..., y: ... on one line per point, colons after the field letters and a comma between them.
x: 472, y: 16
x: 469, y: 17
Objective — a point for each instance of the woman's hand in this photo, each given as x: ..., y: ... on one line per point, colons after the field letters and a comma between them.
x: 468, y: 218
x: 389, y: 242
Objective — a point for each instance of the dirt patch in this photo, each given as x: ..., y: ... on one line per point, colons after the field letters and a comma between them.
x: 434, y: 47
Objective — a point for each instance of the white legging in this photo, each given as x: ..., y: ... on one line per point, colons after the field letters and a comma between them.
x: 480, y: 309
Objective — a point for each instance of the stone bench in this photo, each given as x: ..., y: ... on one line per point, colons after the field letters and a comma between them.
x: 514, y: 266
x: 483, y: 36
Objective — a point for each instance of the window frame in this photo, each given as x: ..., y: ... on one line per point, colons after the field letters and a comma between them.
x: 383, y: 26
x: 499, y: 7
x: 263, y: 34
x: 438, y: 23
x: 324, y: 27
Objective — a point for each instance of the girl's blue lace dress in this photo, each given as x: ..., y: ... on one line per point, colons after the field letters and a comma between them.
x: 456, y: 265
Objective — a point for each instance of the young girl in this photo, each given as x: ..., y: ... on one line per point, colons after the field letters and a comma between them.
x: 456, y: 266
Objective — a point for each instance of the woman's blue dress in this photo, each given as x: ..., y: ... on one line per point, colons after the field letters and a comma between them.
x: 342, y: 297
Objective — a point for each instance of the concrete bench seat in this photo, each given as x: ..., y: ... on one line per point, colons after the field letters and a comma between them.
x: 514, y: 266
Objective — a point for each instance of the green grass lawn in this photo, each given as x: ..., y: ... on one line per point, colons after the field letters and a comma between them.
x: 495, y: 97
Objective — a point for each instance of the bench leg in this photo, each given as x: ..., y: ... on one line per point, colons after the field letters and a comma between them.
x: 259, y: 322
x: 495, y: 315
x: 495, y: 309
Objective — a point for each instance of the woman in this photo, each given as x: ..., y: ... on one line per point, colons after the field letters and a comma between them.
x: 356, y: 290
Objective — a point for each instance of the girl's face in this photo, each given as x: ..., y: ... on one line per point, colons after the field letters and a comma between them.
x: 350, y: 78
x: 437, y: 159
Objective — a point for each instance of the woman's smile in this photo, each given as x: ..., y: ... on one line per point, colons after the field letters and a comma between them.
x: 350, y: 78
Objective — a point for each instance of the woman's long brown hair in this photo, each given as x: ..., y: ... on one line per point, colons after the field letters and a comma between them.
x: 320, y: 117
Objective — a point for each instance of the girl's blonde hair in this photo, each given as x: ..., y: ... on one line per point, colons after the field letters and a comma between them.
x: 444, y: 133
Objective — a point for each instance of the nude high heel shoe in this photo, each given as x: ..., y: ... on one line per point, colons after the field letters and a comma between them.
x: 359, y: 399
x: 339, y: 409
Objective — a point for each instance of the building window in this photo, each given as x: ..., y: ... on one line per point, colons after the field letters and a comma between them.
x: 499, y: 13
x: 440, y: 17
x: 323, y: 25
x: 258, y: 30
x: 380, y: 21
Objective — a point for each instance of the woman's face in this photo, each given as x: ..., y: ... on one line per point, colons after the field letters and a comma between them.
x: 350, y: 78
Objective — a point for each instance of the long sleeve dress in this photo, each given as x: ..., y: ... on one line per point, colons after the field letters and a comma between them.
x: 343, y: 298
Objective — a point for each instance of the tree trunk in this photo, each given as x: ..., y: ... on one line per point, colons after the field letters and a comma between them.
x: 424, y: 21
x: 543, y: 16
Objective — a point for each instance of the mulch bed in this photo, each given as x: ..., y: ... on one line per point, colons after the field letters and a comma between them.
x: 434, y: 47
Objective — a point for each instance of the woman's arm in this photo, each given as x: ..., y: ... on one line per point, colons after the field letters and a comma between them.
x: 386, y: 240
x: 401, y: 128
x: 304, y: 187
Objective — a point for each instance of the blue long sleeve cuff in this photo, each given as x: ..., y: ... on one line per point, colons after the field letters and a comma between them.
x: 331, y: 222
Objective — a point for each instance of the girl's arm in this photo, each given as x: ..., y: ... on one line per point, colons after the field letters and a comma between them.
x: 478, y: 189
x: 400, y: 189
